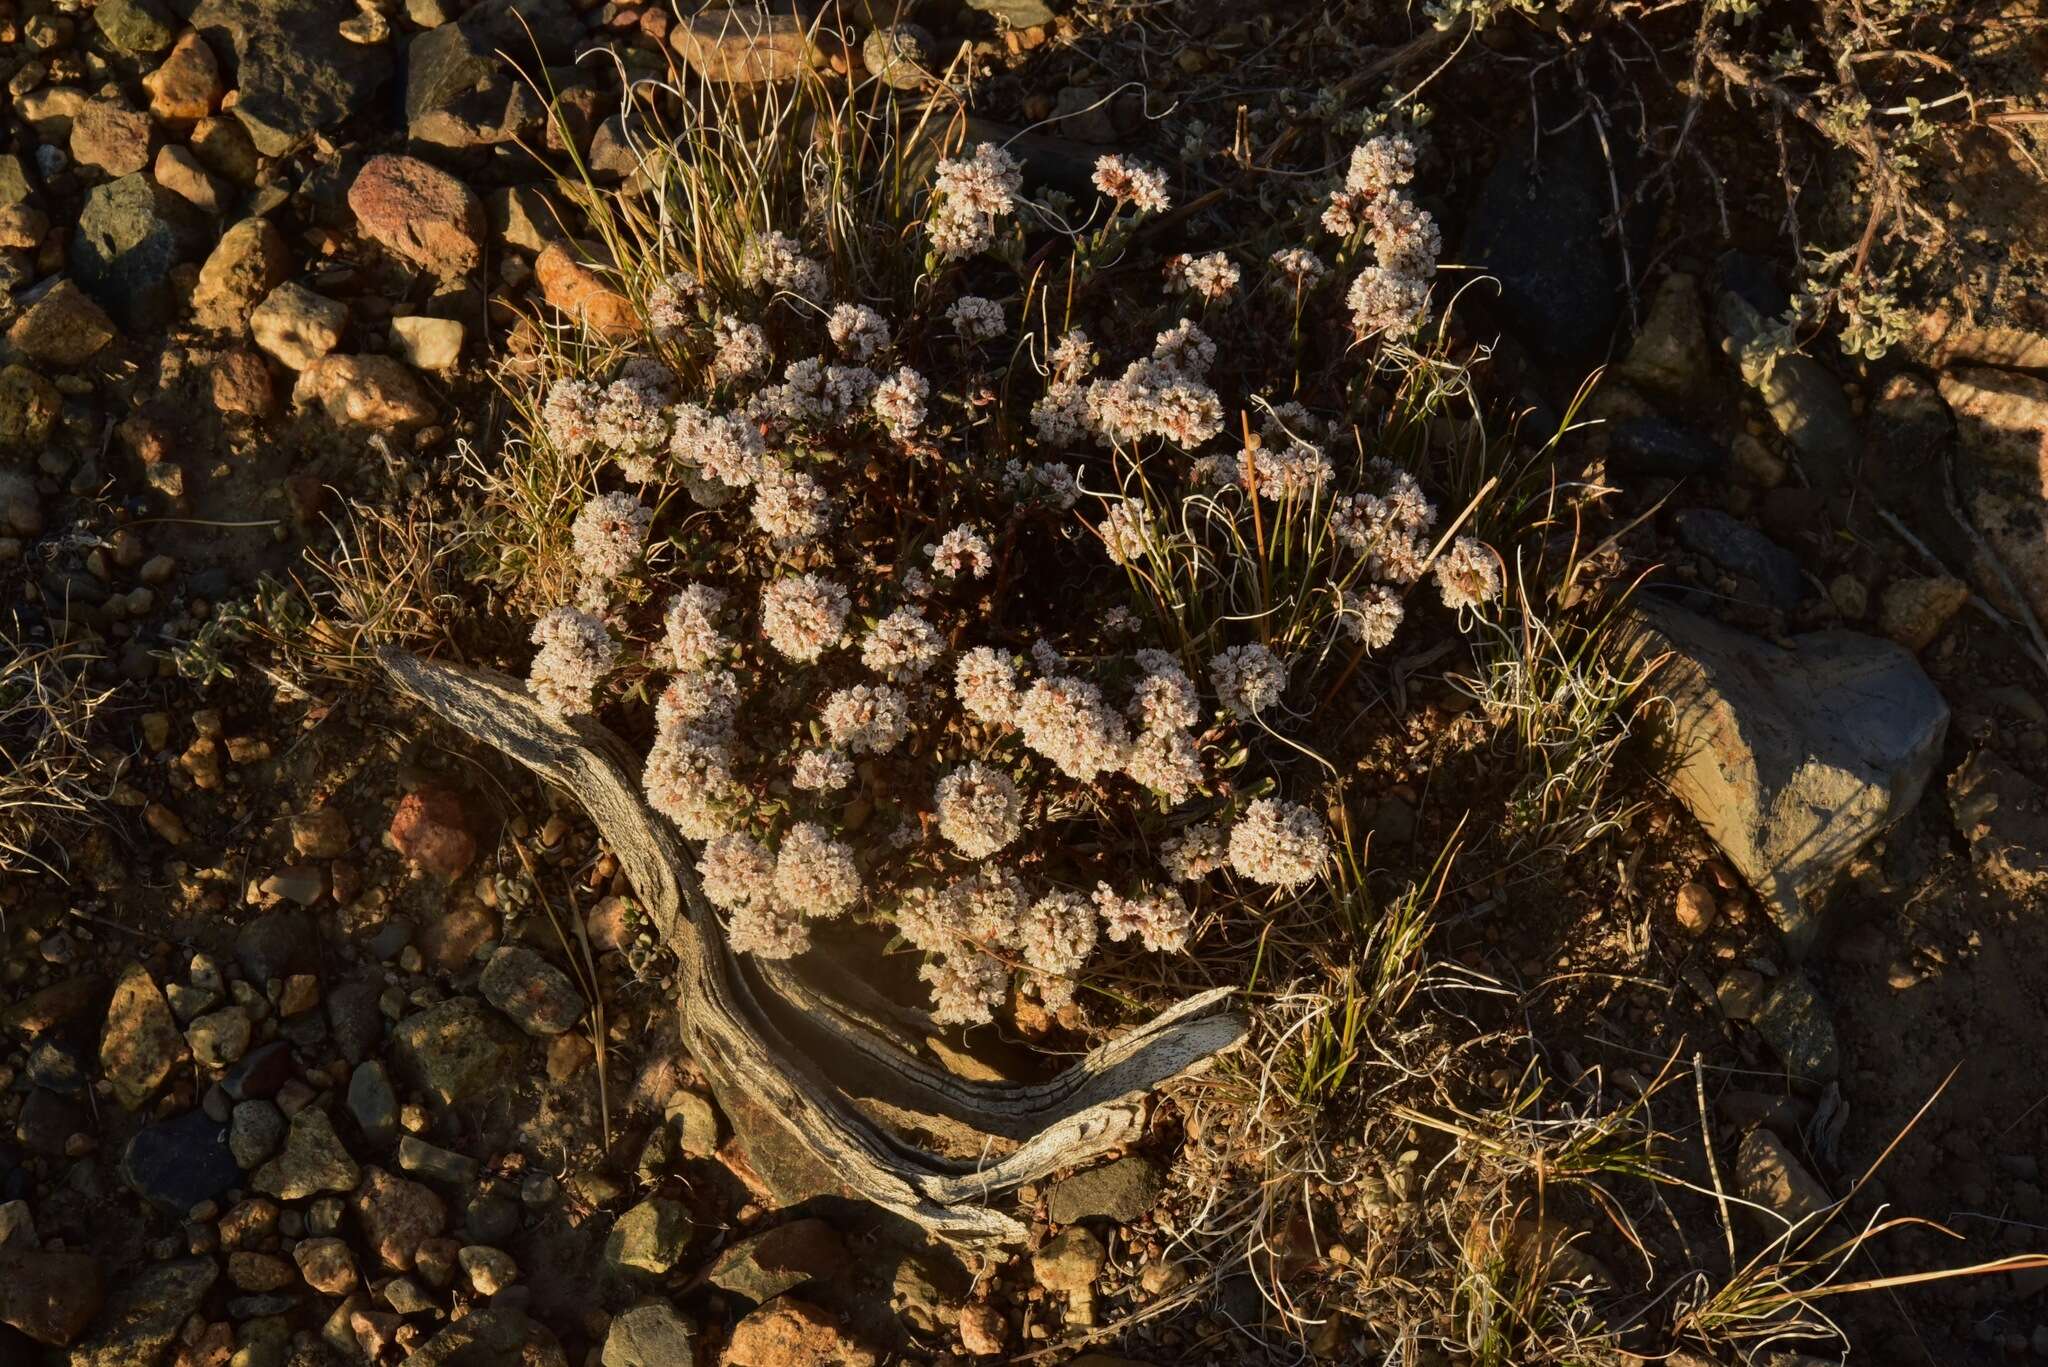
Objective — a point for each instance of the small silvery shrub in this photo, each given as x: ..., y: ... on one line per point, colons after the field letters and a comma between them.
x: 974, y: 582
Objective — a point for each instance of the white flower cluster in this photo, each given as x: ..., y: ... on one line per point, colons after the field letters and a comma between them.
x: 968, y: 195
x: 899, y: 402
x: 575, y: 654
x: 1300, y: 268
x: 631, y: 420
x: 665, y: 302
x: 789, y: 505
x: 607, y: 536
x: 1249, y: 679
x: 1126, y: 182
x: 986, y: 913
x: 1164, y: 395
x: 867, y: 719
x: 1158, y: 917
x: 902, y: 646
x: 776, y: 261
x: 1282, y: 844
x: 986, y: 682
x: 803, y: 615
x: 977, y: 319
x: 858, y: 331
x: 1194, y: 853
x: 1126, y: 532
x: 727, y: 448
x: 813, y: 393
x: 1467, y: 574
x: 822, y: 771
x: 1391, y: 295
x: 769, y: 899
x: 739, y: 349
x: 1165, y: 757
x: 979, y: 809
x: 962, y: 553
x: 1065, y: 719
x: 690, y: 638
x: 568, y: 415
x: 1212, y: 276
x: 1389, y: 527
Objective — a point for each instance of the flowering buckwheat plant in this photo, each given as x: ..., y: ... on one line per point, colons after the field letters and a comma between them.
x: 957, y: 608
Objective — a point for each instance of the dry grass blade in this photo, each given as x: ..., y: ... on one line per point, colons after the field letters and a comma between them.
x: 51, y: 780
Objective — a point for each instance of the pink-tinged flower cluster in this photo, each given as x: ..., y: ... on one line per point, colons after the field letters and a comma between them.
x: 1157, y: 917
x: 576, y: 652
x: 1126, y: 182
x: 789, y: 505
x: 1467, y: 574
x: 1195, y: 852
x: 902, y: 646
x: 728, y: 449
x: 607, y: 536
x: 858, y: 331
x: 977, y: 319
x: 979, y: 809
x: 867, y: 719
x: 969, y: 195
x: 1212, y: 276
x: 667, y: 312
x: 739, y: 349
x: 803, y: 615
x: 1299, y: 268
x: 1281, y: 844
x: 1065, y: 719
x: 1386, y: 523
x: 1249, y: 679
x: 899, y: 402
x: 986, y: 681
x: 962, y: 553
x: 776, y: 261
x: 1391, y: 295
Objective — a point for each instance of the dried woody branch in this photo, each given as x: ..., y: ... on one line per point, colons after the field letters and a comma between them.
x: 819, y: 1054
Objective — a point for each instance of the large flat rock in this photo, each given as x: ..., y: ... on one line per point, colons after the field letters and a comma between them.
x: 1792, y: 758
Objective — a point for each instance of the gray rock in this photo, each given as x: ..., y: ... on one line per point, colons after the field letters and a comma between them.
x: 458, y: 1049
x: 275, y: 945
x: 293, y: 72
x: 1656, y: 446
x: 1563, y: 305
x: 1792, y: 758
x: 491, y: 1335
x: 459, y: 93
x: 1803, y: 396
x: 1770, y: 1175
x: 900, y: 55
x: 1794, y: 1021
x: 1670, y: 356
x: 136, y: 26
x: 353, y: 1017
x: 649, y: 1239
x: 130, y: 234
x: 538, y: 997
x: 144, y: 1312
x: 373, y: 1103
x: 313, y: 1161
x: 491, y: 1219
x: 1123, y: 1191
x: 650, y: 1334
x: 925, y: 1292
x: 422, y: 1159
x: 695, y: 1122
x: 762, y: 1266
x: 180, y: 1162
x: 1745, y: 552
x: 254, y: 1132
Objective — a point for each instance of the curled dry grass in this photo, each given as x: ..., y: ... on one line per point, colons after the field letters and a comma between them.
x: 52, y: 780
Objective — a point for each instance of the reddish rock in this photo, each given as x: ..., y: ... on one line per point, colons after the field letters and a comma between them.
x: 111, y: 138
x: 747, y: 47
x: 241, y: 384
x: 327, y: 1265
x: 420, y: 212
x: 577, y: 290
x: 187, y: 86
x: 431, y: 829
x: 375, y: 392
x: 396, y: 1216
x: 787, y: 1332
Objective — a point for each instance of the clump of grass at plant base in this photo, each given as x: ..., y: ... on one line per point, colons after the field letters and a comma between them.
x: 55, y: 774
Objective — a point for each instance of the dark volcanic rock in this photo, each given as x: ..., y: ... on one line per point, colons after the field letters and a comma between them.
x: 1561, y: 300
x: 293, y: 72
x: 459, y: 93
x: 130, y: 233
x: 181, y: 1162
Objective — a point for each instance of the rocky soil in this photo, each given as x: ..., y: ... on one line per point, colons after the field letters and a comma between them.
x: 305, y: 1065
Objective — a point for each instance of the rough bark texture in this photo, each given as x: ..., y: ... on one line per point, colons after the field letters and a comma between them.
x: 811, y: 1049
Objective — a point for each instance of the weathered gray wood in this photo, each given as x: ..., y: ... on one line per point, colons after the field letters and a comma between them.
x: 850, y: 1049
